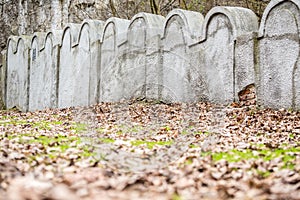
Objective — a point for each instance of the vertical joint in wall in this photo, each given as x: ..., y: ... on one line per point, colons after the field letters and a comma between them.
x: 3, y: 80
x: 294, y: 93
x: 256, y: 61
x: 28, y: 80
x: 98, y: 72
x: 160, y: 72
x: 57, y: 75
x: 233, y: 71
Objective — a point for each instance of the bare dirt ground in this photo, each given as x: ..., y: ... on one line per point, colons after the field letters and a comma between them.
x: 149, y: 150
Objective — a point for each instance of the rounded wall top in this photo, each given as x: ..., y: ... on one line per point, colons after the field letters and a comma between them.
x: 55, y: 35
x: 120, y: 28
x: 14, y: 42
x: 191, y: 20
x: 95, y: 26
x: 74, y: 31
x: 242, y: 20
x: 40, y: 38
x: 272, y: 5
x: 154, y: 23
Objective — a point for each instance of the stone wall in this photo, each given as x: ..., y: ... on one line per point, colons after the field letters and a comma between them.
x: 183, y: 57
x: 29, y: 16
x: 20, y: 17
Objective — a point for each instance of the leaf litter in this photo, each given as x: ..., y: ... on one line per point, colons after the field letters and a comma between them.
x: 144, y: 150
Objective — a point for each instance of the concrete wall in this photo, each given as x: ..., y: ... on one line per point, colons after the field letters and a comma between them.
x: 184, y: 57
x: 17, y: 73
x: 179, y: 75
x: 113, y: 35
x: 279, y: 77
x: 141, y: 56
x: 44, y: 54
x: 79, y: 64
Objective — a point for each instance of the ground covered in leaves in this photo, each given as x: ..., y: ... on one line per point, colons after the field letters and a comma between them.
x: 148, y: 150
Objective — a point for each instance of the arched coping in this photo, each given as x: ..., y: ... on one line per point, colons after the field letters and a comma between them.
x: 15, y: 40
x: 74, y: 31
x: 267, y: 11
x: 12, y: 43
x: 154, y: 23
x: 120, y: 29
x: 95, y: 29
x: 40, y: 38
x: 192, y: 23
x: 55, y: 36
x: 242, y: 20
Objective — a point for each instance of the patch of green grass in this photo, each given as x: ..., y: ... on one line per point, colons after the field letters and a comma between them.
x: 53, y: 145
x: 193, y: 146
x: 42, y: 125
x: 206, y: 133
x: 121, y: 129
x: 60, y: 141
x: 79, y: 127
x: 12, y: 121
x: 87, y: 153
x: 264, y: 174
x: 167, y: 128
x: 176, y: 197
x: 292, y: 136
x: 261, y: 134
x: 185, y: 132
x: 189, y: 161
x: 150, y: 144
x: 233, y: 156
x: 58, y: 144
x: 134, y: 129
x: 101, y: 130
x: 107, y: 140
x: 258, y: 145
x: 287, y: 155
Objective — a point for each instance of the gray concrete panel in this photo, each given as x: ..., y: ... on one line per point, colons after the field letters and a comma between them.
x: 87, y: 62
x: 37, y: 69
x: 142, y: 57
x: 114, y: 34
x: 222, y: 27
x: 178, y: 73
x: 18, y: 72
x: 133, y: 72
x: 44, y: 69
x: 244, y: 66
x: 3, y: 79
x: 181, y: 58
x: 279, y: 54
x: 67, y: 90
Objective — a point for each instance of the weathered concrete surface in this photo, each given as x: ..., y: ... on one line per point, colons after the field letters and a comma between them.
x: 114, y: 34
x: 2, y: 79
x: 44, y: 57
x: 153, y: 56
x: 67, y: 91
x: 140, y: 71
x: 221, y: 28
x: 17, y: 72
x: 37, y: 68
x: 181, y: 29
x: 279, y: 83
x: 244, y: 66
x: 181, y: 58
x: 79, y: 64
x: 87, y: 65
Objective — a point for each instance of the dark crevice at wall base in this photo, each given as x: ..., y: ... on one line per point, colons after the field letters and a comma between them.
x: 247, y: 96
